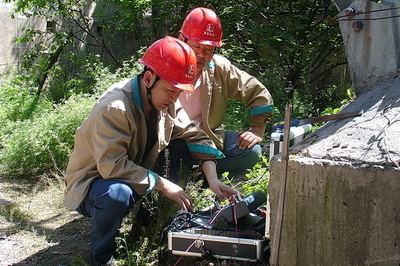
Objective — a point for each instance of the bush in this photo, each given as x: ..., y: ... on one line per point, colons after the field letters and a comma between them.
x: 37, y: 131
x: 18, y: 102
x: 44, y: 142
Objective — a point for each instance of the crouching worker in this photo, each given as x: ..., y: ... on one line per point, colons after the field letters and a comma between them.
x: 118, y: 143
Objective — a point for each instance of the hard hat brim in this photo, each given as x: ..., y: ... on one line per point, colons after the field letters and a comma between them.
x: 184, y: 87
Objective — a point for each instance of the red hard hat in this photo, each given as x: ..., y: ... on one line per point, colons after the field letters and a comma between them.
x: 203, y: 26
x: 173, y: 61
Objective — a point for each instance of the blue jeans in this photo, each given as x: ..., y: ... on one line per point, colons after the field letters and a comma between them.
x: 107, y: 203
x: 236, y: 161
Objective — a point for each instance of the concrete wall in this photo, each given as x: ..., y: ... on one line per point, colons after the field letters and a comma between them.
x: 338, y: 214
x: 343, y: 186
x: 373, y: 52
x: 11, y: 28
x: 123, y: 45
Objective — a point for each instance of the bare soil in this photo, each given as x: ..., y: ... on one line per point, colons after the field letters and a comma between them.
x: 37, y: 230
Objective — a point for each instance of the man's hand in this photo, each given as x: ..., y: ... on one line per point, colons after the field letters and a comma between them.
x: 174, y: 192
x: 247, y: 139
x: 222, y: 190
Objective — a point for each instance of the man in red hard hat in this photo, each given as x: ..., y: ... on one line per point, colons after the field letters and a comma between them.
x: 118, y: 143
x: 215, y: 82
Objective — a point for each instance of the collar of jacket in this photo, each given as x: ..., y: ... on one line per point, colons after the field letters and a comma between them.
x: 136, y: 92
x: 211, y: 65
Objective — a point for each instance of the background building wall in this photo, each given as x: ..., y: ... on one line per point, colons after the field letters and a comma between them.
x: 11, y: 28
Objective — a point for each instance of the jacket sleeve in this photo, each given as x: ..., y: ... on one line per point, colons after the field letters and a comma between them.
x: 109, y: 137
x: 199, y: 144
x: 243, y: 86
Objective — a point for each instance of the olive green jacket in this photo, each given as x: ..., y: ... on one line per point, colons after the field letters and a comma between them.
x: 220, y: 81
x: 110, y: 143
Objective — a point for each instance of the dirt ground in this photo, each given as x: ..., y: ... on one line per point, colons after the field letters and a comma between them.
x: 37, y: 230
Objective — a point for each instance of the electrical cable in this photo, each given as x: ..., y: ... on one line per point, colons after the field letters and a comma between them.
x: 346, y: 17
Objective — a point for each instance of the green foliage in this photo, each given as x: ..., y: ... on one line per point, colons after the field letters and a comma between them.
x: 59, y: 54
x: 137, y: 256
x: 237, y: 116
x: 293, y: 47
x: 18, y: 103
x: 201, y: 197
x: 44, y: 142
x: 36, y: 136
x: 87, y: 75
x: 258, y: 178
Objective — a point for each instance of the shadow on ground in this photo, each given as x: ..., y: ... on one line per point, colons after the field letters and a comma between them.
x: 66, y: 244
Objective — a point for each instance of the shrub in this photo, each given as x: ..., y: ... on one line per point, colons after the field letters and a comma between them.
x: 18, y: 102
x: 44, y: 142
x: 37, y: 135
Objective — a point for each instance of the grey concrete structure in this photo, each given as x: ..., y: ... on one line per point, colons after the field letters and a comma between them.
x: 11, y: 28
x: 120, y: 44
x: 372, y: 50
x: 341, y: 203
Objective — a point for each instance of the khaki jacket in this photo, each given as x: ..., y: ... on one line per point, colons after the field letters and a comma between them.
x: 111, y: 141
x: 220, y: 81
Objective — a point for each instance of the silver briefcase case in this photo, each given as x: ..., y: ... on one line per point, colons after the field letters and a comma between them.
x: 197, y: 242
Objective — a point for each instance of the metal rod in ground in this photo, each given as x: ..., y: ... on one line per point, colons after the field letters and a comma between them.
x: 281, y: 200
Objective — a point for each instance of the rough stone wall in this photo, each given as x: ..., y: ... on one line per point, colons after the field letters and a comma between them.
x: 371, y: 139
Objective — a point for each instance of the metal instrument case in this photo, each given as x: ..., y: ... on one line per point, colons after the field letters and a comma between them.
x: 221, y: 244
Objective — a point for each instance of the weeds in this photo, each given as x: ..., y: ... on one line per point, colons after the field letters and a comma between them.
x: 133, y: 257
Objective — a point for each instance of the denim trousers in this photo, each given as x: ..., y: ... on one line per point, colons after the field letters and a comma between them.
x: 106, y: 204
x: 236, y: 161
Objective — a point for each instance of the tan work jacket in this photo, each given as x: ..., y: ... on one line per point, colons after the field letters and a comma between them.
x: 111, y: 141
x: 220, y: 81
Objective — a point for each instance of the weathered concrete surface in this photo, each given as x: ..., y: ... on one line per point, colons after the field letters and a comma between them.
x: 373, y: 52
x: 343, y: 187
x: 11, y: 28
x: 372, y: 139
x: 338, y: 214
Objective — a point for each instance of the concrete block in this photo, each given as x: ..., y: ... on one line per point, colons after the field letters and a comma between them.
x: 372, y: 52
x: 337, y: 214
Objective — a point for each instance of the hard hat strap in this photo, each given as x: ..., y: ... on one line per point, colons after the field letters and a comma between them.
x: 148, y: 92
